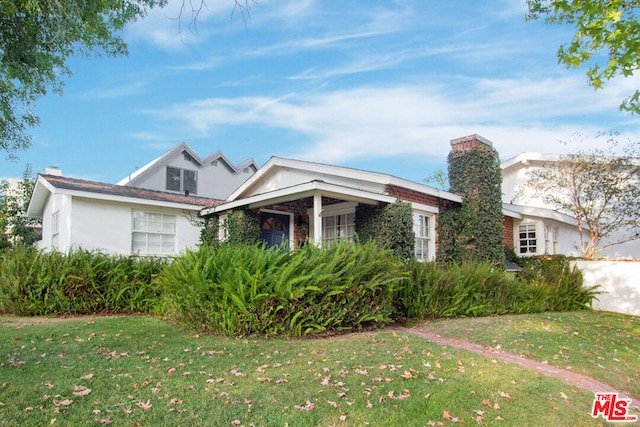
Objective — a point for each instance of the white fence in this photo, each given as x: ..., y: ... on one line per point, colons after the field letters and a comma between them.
x: 620, y: 280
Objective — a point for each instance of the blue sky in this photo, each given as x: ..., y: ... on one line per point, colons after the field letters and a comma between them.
x: 375, y: 85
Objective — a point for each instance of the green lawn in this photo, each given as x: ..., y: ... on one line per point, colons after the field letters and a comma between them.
x: 603, y: 345
x: 145, y: 371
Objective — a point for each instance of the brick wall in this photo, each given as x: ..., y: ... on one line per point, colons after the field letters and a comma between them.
x: 468, y: 142
x: 507, y: 230
x: 412, y: 196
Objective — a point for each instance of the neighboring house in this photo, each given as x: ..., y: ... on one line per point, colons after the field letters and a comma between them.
x: 181, y: 170
x: 547, y: 224
x: 540, y: 231
x: 154, y: 211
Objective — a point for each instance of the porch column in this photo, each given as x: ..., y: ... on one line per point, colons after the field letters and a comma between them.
x: 317, y: 219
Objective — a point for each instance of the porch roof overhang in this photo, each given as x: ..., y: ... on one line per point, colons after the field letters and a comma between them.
x: 300, y: 191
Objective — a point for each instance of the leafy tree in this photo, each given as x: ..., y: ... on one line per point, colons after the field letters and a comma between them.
x: 610, y: 28
x: 36, y: 39
x: 601, y: 190
x: 15, y: 228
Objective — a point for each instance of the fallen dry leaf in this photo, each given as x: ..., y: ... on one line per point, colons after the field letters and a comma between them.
x: 236, y: 373
x: 333, y: 404
x: 308, y: 406
x: 64, y: 402
x: 81, y: 391
x: 144, y: 405
x: 86, y: 377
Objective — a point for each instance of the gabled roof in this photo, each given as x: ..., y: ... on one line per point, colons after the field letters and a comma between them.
x: 525, y: 158
x: 300, y: 191
x: 49, y: 184
x: 314, y: 169
x: 161, y: 161
x: 520, y: 211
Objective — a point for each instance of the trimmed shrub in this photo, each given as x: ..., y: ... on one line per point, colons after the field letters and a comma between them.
x: 241, y: 290
x: 34, y: 283
x: 557, y: 284
x: 469, y: 289
x: 473, y: 288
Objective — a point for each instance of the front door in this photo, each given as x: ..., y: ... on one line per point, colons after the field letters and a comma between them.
x: 274, y: 228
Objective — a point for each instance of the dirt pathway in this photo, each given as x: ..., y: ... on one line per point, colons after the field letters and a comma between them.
x: 569, y: 377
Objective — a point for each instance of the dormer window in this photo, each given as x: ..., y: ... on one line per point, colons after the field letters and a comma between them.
x: 182, y: 180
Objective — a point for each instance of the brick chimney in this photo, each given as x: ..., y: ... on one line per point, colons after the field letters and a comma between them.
x: 468, y: 142
x: 52, y: 170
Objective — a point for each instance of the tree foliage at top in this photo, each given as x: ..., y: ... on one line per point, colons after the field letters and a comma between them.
x: 607, y: 28
x: 36, y: 39
x: 600, y: 189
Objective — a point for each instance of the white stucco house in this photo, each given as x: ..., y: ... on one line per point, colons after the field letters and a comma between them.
x: 158, y: 209
x: 154, y: 211
x: 554, y: 232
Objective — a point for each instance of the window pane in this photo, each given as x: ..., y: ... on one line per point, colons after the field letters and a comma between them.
x: 190, y: 182
x: 154, y: 242
x: 139, y: 221
x: 173, y: 179
x: 168, y: 224
x: 155, y: 223
x: 139, y: 242
x: 167, y: 243
x: 329, y: 221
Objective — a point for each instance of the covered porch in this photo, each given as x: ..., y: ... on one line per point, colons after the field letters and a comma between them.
x: 313, y: 212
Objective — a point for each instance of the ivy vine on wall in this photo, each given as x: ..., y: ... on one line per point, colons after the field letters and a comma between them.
x: 240, y: 227
x: 390, y: 226
x: 474, y: 229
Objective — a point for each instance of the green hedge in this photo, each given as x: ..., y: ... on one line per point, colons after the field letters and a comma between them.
x: 479, y: 289
x: 241, y: 290
x: 34, y: 283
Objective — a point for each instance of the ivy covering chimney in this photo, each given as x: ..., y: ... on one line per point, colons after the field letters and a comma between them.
x: 473, y: 230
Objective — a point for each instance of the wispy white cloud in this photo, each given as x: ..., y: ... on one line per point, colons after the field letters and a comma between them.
x: 379, y: 122
x: 116, y: 91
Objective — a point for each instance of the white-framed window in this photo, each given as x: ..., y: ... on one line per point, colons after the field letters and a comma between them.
x: 527, y: 240
x: 552, y: 239
x: 222, y: 228
x: 422, y: 231
x: 55, y: 228
x: 153, y: 233
x: 182, y: 180
x: 338, y: 228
